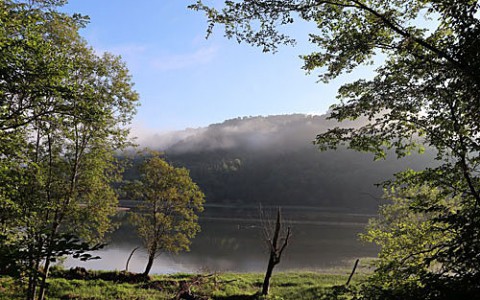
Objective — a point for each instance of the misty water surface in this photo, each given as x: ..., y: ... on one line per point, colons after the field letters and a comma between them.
x: 232, y: 239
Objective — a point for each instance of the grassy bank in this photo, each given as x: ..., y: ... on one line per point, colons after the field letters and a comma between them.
x: 225, y: 286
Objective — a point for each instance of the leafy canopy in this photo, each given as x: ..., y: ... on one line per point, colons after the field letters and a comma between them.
x: 64, y: 111
x: 167, y: 217
x: 424, y: 93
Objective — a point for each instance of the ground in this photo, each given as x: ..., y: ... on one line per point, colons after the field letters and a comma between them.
x: 82, y: 284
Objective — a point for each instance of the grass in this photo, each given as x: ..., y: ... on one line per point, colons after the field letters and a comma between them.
x: 226, y: 286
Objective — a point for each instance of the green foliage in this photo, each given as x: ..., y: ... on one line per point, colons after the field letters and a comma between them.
x: 411, y: 234
x: 407, y: 232
x: 167, y: 218
x: 425, y: 92
x: 63, y: 113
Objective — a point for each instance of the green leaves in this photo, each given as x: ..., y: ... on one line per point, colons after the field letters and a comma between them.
x: 166, y: 218
x: 64, y: 112
x: 424, y: 94
x: 69, y: 244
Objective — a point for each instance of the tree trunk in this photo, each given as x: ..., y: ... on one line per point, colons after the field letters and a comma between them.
x: 32, y: 285
x: 275, y: 251
x: 43, y: 284
x: 31, y: 288
x: 32, y: 277
x: 151, y: 257
x: 353, y: 272
x: 130, y: 257
x: 268, y: 275
x: 48, y: 257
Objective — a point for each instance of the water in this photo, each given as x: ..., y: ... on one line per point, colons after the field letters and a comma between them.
x: 232, y: 239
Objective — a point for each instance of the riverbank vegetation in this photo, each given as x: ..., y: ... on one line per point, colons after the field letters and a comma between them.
x: 81, y: 284
x: 167, y: 217
x: 65, y: 112
x: 423, y: 93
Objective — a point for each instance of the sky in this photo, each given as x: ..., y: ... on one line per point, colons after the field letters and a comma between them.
x: 187, y: 81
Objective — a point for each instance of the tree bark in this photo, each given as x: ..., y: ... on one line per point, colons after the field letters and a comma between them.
x: 48, y: 257
x: 43, y: 283
x: 275, y: 252
x: 130, y: 257
x: 33, y: 275
x: 353, y: 272
x: 151, y: 257
x: 268, y: 275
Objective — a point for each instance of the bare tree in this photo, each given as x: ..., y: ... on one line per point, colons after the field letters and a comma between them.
x: 277, y: 240
x: 130, y: 257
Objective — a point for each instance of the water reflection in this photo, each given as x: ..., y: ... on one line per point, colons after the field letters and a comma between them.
x: 232, y: 240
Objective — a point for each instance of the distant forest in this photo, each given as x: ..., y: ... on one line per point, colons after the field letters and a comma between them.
x: 272, y: 160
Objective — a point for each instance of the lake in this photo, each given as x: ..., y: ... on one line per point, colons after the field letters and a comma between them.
x: 232, y: 239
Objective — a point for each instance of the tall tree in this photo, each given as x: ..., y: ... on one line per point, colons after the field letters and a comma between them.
x: 424, y: 93
x: 167, y: 218
x: 65, y: 110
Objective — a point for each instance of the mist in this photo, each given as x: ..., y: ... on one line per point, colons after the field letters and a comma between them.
x: 281, y: 132
x: 272, y: 160
x: 327, y: 197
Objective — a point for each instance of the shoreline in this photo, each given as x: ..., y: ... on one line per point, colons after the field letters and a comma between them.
x: 82, y: 284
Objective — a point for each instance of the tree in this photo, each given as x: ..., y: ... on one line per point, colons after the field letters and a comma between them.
x: 64, y: 113
x: 167, y: 217
x: 424, y: 93
x: 410, y: 236
x: 277, y: 241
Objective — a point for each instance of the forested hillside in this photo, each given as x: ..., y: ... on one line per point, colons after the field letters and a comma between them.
x: 272, y: 160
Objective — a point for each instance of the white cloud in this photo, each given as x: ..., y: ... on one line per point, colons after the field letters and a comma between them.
x: 181, y: 61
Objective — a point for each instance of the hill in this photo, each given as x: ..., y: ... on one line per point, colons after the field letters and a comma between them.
x: 272, y: 160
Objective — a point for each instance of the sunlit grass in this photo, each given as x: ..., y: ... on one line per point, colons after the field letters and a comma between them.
x: 99, y: 289
x: 224, y: 286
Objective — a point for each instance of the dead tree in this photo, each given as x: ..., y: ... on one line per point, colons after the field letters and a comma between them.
x: 277, y: 245
x: 185, y: 292
x: 130, y: 257
x: 353, y: 272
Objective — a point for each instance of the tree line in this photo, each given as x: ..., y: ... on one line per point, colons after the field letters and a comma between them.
x: 271, y: 160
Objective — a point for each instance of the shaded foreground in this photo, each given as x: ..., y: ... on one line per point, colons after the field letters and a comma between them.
x: 81, y: 284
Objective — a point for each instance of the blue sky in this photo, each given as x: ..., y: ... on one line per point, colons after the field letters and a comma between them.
x: 186, y: 81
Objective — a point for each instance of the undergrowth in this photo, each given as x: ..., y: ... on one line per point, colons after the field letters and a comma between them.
x: 92, y: 285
